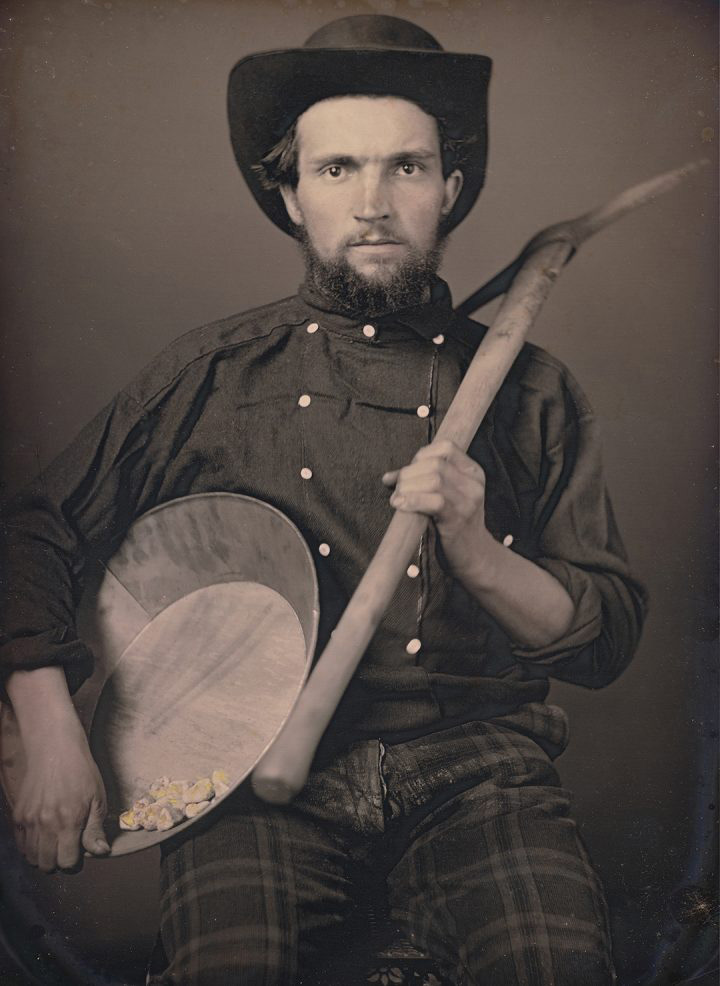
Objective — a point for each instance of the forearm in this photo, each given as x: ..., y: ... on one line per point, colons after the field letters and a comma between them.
x: 531, y: 606
x: 43, y: 708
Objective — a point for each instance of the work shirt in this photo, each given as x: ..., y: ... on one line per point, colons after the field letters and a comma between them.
x: 306, y: 408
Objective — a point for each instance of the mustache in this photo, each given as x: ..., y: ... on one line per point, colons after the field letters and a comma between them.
x: 379, y: 234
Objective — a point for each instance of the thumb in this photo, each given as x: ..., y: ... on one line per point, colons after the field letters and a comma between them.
x: 93, y: 838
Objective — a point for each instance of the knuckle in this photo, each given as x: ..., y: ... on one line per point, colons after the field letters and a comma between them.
x: 70, y: 818
x: 46, y: 817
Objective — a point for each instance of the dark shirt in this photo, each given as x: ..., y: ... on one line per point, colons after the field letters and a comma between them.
x: 221, y: 409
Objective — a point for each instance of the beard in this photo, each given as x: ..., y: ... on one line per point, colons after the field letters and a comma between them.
x: 407, y: 286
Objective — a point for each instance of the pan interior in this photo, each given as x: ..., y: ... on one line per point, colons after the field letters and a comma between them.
x: 206, y: 685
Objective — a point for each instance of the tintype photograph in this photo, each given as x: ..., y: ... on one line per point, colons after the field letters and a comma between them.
x: 358, y: 385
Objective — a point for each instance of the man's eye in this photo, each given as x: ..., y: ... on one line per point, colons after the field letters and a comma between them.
x: 334, y: 170
x: 409, y: 168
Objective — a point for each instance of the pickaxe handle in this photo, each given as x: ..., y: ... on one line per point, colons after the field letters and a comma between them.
x: 283, y: 770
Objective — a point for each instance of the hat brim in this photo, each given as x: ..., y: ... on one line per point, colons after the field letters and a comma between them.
x: 268, y: 91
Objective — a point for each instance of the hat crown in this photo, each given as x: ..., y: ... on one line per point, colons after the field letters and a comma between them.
x: 372, y: 31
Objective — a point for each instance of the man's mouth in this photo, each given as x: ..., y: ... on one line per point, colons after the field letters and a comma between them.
x: 377, y: 241
x: 381, y: 248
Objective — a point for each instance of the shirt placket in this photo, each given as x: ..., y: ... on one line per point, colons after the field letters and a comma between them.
x: 419, y: 569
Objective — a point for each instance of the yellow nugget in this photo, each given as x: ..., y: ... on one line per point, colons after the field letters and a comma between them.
x: 195, y: 807
x: 129, y: 821
x: 158, y: 788
x: 167, y: 816
x: 201, y: 790
x: 220, y: 782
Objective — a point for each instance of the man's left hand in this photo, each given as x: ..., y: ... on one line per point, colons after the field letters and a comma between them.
x: 447, y: 485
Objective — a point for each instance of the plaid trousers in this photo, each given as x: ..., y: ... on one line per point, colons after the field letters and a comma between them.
x: 470, y: 829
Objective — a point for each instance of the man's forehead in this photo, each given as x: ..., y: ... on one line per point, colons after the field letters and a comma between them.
x: 367, y: 121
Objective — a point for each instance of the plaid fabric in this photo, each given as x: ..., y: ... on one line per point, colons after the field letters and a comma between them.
x: 469, y: 828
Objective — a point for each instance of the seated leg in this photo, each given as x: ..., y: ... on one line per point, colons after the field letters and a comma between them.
x: 248, y: 899
x: 495, y: 881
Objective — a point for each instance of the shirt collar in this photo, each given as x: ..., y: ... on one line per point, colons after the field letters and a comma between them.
x: 427, y: 320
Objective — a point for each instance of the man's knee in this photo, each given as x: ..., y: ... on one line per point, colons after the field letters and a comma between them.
x: 217, y: 964
x: 535, y: 966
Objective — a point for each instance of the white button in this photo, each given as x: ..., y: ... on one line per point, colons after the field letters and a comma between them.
x: 313, y: 327
x: 413, y: 646
x: 304, y: 400
x: 439, y: 339
x: 423, y: 411
x: 306, y: 473
x: 324, y: 549
x: 413, y: 571
x: 369, y: 331
x: 508, y: 540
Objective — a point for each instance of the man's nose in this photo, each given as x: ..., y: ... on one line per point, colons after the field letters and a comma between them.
x: 373, y: 202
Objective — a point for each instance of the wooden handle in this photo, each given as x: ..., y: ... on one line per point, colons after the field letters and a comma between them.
x: 283, y: 770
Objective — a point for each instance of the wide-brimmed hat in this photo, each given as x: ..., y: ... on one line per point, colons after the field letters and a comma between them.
x: 363, y: 55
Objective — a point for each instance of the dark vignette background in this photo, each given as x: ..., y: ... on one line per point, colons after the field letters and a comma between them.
x: 126, y: 223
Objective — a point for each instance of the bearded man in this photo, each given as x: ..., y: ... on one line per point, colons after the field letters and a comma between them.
x: 368, y: 145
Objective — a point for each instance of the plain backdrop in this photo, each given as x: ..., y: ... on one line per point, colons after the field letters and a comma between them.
x: 126, y: 223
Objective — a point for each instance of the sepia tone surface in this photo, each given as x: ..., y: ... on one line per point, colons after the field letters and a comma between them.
x: 126, y: 223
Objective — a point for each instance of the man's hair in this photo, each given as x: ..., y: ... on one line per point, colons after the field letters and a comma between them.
x: 280, y: 164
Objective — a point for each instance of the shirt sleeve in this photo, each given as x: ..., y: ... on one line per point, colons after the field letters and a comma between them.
x: 84, y: 500
x: 576, y: 539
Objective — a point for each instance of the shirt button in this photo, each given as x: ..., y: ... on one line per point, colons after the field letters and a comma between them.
x: 304, y: 400
x: 439, y: 339
x: 413, y: 646
x: 324, y: 549
x: 423, y: 411
x: 369, y: 331
x: 413, y: 571
x: 306, y: 473
x: 313, y: 327
x: 508, y: 540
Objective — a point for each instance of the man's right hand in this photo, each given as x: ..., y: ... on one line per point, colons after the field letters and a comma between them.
x: 61, y: 801
x: 61, y: 805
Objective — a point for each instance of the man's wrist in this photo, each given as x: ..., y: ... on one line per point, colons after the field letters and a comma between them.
x: 42, y: 705
x: 476, y: 561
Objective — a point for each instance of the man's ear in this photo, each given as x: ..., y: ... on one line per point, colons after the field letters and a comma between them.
x: 289, y: 196
x: 453, y: 185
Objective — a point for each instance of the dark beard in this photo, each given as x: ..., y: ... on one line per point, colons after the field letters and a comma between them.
x: 356, y: 294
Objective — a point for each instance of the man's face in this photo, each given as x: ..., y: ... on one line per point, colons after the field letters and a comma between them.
x: 371, y: 192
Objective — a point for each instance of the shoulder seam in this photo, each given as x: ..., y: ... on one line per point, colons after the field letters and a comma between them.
x: 211, y: 352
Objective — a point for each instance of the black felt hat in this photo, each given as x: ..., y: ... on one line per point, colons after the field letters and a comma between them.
x: 364, y: 55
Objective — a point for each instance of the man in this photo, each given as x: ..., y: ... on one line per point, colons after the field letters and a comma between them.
x: 368, y: 145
